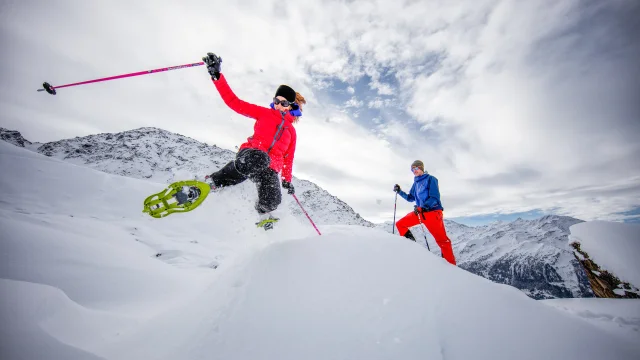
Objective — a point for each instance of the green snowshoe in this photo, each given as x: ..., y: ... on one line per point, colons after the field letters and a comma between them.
x: 267, y: 224
x: 181, y: 196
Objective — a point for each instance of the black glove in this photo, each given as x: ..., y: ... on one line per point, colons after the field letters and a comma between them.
x: 213, y: 62
x: 396, y: 188
x: 289, y: 186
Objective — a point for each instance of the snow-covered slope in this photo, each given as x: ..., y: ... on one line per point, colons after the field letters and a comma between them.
x: 531, y: 255
x: 620, y: 317
x: 324, y: 207
x: 85, y: 275
x: 162, y: 156
x: 81, y: 265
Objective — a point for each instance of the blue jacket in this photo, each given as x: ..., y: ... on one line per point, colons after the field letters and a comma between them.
x: 424, y: 192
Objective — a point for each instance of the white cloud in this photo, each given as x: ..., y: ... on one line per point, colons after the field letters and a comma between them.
x: 513, y: 105
x: 383, y: 89
x: 353, y: 103
x: 375, y: 104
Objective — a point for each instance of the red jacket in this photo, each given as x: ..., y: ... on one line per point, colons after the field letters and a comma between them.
x: 273, y: 131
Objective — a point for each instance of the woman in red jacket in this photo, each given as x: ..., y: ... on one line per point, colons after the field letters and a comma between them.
x: 271, y: 148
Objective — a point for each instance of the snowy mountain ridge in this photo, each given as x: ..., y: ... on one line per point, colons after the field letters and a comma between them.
x: 164, y: 157
x: 13, y: 137
x: 531, y: 255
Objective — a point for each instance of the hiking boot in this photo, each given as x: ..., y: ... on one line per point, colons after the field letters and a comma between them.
x: 188, y: 194
x: 409, y: 236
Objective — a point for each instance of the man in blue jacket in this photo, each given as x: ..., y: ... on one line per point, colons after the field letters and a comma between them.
x: 427, y: 211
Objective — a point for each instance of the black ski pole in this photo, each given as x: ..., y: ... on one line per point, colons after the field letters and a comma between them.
x: 422, y: 228
x: 395, y: 204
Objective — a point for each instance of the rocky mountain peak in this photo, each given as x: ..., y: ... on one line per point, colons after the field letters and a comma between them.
x: 13, y: 137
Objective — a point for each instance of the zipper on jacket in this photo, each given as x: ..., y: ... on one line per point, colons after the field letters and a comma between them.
x: 279, y: 131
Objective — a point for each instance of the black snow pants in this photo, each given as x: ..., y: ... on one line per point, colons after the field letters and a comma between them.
x: 252, y: 164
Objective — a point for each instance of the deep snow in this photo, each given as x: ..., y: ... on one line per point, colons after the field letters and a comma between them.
x: 86, y: 275
x: 620, y: 317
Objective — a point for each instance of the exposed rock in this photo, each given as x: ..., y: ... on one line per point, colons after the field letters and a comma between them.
x: 603, y: 283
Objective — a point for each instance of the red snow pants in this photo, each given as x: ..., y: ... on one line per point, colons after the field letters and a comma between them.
x: 434, y: 223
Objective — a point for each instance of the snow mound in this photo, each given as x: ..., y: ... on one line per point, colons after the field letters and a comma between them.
x: 362, y: 294
x: 615, y: 247
x: 31, y: 313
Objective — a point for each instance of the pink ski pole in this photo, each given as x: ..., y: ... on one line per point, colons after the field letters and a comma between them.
x: 52, y: 89
x: 314, y: 225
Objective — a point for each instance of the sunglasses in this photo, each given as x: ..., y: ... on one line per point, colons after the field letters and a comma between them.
x: 284, y: 103
x: 414, y: 168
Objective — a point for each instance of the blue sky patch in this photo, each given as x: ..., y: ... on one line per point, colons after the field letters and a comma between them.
x: 633, y: 216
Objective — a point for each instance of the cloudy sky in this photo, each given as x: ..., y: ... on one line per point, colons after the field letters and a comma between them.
x: 520, y: 108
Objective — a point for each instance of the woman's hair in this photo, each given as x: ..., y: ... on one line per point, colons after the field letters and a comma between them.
x: 300, y: 101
